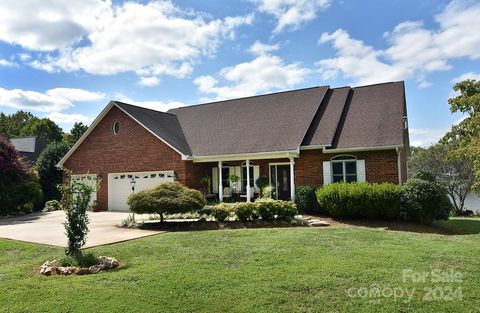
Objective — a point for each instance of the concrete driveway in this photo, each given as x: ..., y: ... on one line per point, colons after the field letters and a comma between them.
x: 47, y: 228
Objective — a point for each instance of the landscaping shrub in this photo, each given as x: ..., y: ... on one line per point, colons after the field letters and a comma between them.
x: 166, y: 198
x: 221, y: 212
x: 245, y: 211
x: 262, y: 182
x: 360, y: 200
x: 51, y: 205
x: 84, y: 260
x: 425, y: 201
x: 75, y: 201
x: 19, y: 187
x: 268, y: 209
x: 306, y: 199
x: 286, y: 210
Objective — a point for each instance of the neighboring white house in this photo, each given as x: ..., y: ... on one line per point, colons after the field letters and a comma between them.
x: 472, y: 202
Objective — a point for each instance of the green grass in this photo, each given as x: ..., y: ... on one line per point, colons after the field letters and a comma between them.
x: 463, y: 225
x: 252, y: 270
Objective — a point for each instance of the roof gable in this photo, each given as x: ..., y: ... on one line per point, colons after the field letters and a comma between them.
x: 163, y: 125
x: 372, y: 117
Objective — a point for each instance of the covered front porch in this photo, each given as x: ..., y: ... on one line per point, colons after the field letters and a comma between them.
x: 232, y: 179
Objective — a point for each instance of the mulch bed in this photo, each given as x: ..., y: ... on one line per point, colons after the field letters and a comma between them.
x: 214, y: 225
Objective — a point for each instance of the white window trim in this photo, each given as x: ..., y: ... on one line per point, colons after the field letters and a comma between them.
x: 344, y: 166
x: 115, y: 132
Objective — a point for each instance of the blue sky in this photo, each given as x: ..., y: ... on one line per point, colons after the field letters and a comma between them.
x: 67, y: 59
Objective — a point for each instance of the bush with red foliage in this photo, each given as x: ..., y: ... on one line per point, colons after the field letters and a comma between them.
x: 19, y: 187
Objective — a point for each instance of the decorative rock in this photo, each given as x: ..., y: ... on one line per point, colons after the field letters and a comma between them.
x: 49, y: 268
x: 82, y: 270
x: 318, y: 223
x: 47, y: 271
x: 65, y: 270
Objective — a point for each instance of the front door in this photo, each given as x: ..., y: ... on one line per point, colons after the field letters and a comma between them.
x: 280, y: 180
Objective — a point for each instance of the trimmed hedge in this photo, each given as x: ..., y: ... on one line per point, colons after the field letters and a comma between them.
x: 306, y: 199
x: 425, y: 201
x: 266, y: 209
x: 166, y: 198
x: 360, y: 200
x: 221, y: 212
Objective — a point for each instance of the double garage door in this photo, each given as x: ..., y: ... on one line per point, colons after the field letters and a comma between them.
x: 120, y: 186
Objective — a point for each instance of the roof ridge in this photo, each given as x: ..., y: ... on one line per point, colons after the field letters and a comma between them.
x: 248, y: 97
x: 384, y: 83
x: 144, y: 108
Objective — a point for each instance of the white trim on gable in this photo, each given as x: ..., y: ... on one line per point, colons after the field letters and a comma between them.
x: 97, y: 120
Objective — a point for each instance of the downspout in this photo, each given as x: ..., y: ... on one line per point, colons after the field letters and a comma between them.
x: 399, y: 166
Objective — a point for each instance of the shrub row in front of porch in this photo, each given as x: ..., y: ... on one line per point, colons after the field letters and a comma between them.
x: 264, y: 208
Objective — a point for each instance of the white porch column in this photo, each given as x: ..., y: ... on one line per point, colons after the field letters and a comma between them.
x: 247, y: 164
x: 220, y: 187
x: 292, y: 179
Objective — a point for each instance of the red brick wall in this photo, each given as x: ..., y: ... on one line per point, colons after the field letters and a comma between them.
x: 380, y: 166
x: 134, y: 149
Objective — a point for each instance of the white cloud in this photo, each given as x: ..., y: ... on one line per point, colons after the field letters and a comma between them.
x: 152, y: 104
x: 414, y: 51
x: 42, y: 26
x: 53, y: 100
x: 68, y: 118
x: 148, y: 81
x: 259, y: 48
x: 264, y: 73
x: 424, y: 137
x: 152, y: 39
x: 4, y: 62
x: 77, y: 95
x: 291, y: 14
x: 469, y: 75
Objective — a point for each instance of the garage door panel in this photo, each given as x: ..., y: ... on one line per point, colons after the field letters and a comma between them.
x: 119, y: 186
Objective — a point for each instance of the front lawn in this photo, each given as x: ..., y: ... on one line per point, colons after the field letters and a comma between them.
x: 248, y: 270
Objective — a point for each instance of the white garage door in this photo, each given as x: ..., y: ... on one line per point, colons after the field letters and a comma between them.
x: 120, y: 186
x: 89, y: 179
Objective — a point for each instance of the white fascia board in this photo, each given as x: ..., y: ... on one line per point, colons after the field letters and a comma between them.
x: 245, y: 156
x: 314, y: 147
x: 360, y: 149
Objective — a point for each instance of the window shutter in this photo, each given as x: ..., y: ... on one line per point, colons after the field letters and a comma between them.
x: 256, y: 175
x: 361, y: 177
x: 215, y: 179
x: 327, y: 173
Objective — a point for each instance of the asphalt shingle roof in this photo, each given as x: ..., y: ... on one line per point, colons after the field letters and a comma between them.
x: 367, y: 116
x: 267, y: 123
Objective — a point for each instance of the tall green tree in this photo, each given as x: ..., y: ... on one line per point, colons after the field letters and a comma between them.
x: 467, y: 133
x: 50, y: 175
x: 453, y: 173
x: 12, y: 124
x: 44, y: 129
x: 75, y: 133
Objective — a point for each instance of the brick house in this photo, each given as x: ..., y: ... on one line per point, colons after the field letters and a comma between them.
x: 311, y: 136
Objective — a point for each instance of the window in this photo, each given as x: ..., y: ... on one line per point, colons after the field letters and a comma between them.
x: 116, y: 127
x: 244, y: 176
x: 344, y: 169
